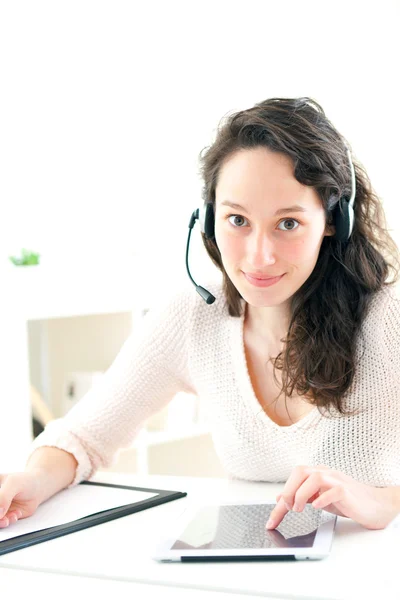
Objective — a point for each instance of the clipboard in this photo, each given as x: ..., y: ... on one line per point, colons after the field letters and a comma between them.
x: 43, y: 535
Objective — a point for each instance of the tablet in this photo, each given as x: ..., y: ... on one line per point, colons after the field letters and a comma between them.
x: 236, y: 531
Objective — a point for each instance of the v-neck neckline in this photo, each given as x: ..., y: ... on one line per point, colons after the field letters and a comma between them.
x: 246, y: 386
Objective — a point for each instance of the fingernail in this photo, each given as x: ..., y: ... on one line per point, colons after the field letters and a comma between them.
x: 2, y: 512
x: 287, y: 506
x: 270, y: 523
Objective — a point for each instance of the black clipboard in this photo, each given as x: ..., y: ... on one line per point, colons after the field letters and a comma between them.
x: 37, y: 537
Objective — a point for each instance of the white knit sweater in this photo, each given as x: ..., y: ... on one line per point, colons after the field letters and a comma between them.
x: 194, y: 347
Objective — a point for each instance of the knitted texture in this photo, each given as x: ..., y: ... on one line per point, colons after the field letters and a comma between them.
x: 198, y: 348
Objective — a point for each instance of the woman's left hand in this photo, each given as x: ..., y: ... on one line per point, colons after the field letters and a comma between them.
x: 337, y: 493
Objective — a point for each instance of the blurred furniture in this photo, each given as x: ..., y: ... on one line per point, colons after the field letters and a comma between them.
x: 40, y: 410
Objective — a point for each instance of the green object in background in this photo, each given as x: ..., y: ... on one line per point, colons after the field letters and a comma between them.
x: 27, y: 258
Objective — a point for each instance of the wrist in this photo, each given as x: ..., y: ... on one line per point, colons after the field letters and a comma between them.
x: 393, y: 499
x: 53, y: 469
x: 43, y: 481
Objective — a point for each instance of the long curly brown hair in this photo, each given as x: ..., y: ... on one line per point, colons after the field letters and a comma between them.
x: 319, y: 356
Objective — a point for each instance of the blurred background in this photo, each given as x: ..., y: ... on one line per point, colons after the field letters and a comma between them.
x: 104, y: 109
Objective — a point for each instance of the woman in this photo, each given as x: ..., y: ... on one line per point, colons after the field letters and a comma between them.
x: 298, y: 359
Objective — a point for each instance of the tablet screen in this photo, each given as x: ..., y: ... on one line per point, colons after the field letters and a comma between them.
x: 243, y: 526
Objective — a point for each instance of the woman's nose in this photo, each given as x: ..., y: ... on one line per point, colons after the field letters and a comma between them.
x: 261, y: 250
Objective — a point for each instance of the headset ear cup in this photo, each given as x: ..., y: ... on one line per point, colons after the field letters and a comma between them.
x: 343, y: 218
x: 209, y: 222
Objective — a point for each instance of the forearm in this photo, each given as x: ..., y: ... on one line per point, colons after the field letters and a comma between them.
x: 55, y: 468
x: 393, y: 493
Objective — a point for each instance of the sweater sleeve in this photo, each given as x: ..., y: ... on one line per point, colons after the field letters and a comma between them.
x: 392, y: 335
x: 151, y: 367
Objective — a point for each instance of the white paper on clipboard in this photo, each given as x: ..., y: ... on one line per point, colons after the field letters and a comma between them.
x: 72, y: 504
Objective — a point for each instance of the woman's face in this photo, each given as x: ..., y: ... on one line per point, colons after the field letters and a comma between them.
x: 267, y: 224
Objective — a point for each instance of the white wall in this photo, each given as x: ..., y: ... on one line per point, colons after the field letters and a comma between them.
x: 104, y: 107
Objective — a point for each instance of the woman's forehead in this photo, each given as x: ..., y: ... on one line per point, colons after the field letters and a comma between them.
x: 257, y: 178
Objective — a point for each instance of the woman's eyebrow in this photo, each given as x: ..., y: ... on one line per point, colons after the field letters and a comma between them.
x: 280, y: 211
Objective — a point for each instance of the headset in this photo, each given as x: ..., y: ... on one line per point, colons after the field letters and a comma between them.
x: 343, y: 218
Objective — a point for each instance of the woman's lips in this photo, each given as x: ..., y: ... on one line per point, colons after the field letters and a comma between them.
x: 260, y: 281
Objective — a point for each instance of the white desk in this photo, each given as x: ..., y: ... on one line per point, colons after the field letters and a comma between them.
x: 47, y: 586
x: 362, y: 565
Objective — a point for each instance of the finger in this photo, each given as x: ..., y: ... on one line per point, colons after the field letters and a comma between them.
x: 17, y: 514
x: 295, y: 480
x: 312, y: 487
x: 11, y: 517
x: 7, y: 493
x: 335, y: 494
x: 277, y: 515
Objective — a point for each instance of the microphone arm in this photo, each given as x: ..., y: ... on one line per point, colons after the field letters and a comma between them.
x: 205, y: 294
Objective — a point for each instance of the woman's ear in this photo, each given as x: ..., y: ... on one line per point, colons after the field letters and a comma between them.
x: 330, y: 229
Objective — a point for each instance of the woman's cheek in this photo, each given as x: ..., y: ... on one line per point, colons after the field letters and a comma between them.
x: 228, y: 245
x: 295, y: 250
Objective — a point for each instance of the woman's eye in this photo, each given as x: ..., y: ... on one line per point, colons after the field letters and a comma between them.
x: 237, y: 220
x: 293, y: 224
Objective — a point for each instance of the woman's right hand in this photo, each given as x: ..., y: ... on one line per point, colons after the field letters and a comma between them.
x: 19, y: 496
